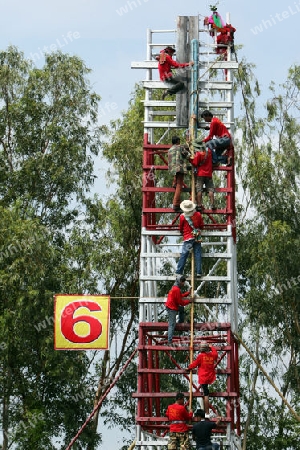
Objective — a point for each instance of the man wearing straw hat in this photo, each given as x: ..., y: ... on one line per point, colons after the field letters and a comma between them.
x: 190, y: 226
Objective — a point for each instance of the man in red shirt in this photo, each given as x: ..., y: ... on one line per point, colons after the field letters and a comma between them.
x: 178, y: 165
x: 165, y: 65
x: 190, y: 226
x: 204, y: 164
x: 219, y: 138
x: 178, y: 416
x: 175, y: 305
x: 225, y: 38
x: 205, y: 362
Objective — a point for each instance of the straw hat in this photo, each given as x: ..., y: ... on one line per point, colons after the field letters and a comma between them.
x: 188, y: 207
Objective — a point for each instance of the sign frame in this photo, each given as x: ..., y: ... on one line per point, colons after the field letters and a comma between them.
x: 81, y: 321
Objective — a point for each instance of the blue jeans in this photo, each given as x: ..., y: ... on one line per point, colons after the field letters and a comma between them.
x: 213, y: 446
x: 218, y: 145
x: 172, y: 313
x: 181, y: 314
x: 187, y: 247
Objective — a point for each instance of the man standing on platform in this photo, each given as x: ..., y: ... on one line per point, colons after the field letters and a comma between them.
x: 178, y: 164
x: 202, y: 161
x: 179, y: 431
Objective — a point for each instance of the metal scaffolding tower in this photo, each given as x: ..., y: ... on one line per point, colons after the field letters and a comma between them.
x: 216, y: 310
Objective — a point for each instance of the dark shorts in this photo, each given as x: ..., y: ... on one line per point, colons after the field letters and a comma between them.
x: 213, y: 446
x: 208, y: 182
x: 205, y: 389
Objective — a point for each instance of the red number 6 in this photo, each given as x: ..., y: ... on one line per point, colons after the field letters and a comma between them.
x: 67, y: 322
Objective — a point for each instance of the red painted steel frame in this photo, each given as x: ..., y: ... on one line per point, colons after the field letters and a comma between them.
x: 152, y: 351
x: 150, y: 398
x: 150, y: 190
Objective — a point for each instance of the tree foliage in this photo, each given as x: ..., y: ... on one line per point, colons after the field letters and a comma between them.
x: 55, y: 237
x: 267, y: 253
x: 268, y: 245
x: 48, y: 138
x: 115, y: 230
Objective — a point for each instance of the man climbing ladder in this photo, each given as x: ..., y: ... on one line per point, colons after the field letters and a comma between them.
x: 165, y: 66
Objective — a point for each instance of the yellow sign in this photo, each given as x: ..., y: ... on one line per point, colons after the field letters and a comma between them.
x: 81, y: 322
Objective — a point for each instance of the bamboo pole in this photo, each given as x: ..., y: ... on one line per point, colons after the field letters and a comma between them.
x: 293, y: 412
x: 192, y: 135
x: 103, y: 397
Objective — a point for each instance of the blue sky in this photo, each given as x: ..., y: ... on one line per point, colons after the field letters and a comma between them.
x: 109, y: 34
x: 108, y: 38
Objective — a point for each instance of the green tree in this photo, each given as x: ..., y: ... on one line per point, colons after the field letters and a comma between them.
x: 55, y: 238
x: 268, y: 245
x: 112, y: 238
x: 267, y: 251
x: 48, y: 138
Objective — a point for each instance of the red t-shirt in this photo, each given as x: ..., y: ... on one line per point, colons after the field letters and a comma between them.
x: 186, y: 230
x: 174, y: 299
x: 205, y: 362
x: 226, y: 34
x: 164, y: 69
x: 178, y: 413
x: 217, y: 129
x: 205, y: 168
